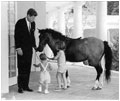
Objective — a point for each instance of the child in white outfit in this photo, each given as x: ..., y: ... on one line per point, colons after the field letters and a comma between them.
x: 44, y: 73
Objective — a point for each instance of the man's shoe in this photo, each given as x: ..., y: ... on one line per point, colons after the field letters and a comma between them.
x: 28, y: 89
x: 20, y: 90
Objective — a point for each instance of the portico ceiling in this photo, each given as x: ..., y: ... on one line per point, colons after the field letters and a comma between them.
x: 51, y: 5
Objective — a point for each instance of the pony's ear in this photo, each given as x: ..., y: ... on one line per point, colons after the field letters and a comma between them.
x: 38, y: 30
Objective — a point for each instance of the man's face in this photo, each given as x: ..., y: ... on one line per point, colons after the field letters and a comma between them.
x: 30, y: 18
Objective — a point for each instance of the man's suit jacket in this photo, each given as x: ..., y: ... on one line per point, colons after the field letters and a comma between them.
x: 24, y: 38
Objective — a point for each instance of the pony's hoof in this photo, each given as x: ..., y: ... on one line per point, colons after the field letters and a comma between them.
x: 94, y: 88
x: 98, y: 88
x: 68, y: 86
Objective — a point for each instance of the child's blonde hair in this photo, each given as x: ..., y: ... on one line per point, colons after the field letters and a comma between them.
x: 60, y: 45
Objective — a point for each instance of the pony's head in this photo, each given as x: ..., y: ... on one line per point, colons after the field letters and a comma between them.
x: 50, y: 37
x: 42, y: 39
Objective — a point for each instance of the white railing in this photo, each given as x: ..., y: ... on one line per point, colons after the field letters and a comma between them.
x: 113, y: 21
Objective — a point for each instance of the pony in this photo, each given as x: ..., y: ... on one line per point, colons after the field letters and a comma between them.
x: 97, y: 52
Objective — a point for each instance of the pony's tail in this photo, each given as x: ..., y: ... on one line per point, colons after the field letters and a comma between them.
x: 108, y: 60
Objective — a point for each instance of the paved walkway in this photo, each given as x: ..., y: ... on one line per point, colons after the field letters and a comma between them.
x: 82, y: 79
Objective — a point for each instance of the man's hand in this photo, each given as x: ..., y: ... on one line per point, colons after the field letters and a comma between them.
x: 19, y: 51
x: 35, y: 48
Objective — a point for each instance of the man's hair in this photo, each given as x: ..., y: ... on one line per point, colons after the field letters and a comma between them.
x: 32, y: 12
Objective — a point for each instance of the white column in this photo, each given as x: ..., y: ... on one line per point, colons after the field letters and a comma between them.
x: 4, y: 49
x: 40, y: 7
x: 48, y: 20
x: 78, y: 29
x: 61, y: 21
x: 22, y: 8
x: 101, y: 20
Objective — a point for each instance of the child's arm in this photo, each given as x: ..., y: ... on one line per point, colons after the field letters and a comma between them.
x: 56, y: 57
x: 50, y: 58
x: 36, y: 65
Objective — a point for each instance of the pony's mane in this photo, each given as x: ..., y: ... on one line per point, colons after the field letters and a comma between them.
x: 56, y: 34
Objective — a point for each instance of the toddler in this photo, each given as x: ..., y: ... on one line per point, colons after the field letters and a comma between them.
x: 44, y: 73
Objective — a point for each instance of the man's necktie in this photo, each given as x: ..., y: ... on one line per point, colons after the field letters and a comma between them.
x: 29, y: 26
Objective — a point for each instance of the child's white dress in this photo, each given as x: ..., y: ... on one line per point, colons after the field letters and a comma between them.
x: 44, y: 73
x: 61, y: 59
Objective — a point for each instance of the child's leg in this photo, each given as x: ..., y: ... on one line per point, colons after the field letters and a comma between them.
x: 64, y: 80
x: 58, y: 76
x: 40, y: 87
x: 46, y: 88
x: 62, y: 84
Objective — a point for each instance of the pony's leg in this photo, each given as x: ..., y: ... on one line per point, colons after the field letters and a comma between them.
x: 68, y: 82
x: 102, y: 75
x: 68, y: 79
x: 96, y: 85
x: 99, y: 71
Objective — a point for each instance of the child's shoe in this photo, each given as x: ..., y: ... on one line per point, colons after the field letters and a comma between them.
x: 64, y: 88
x: 46, y: 91
x: 40, y: 89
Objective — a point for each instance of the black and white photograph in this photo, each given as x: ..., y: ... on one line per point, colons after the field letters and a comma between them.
x: 60, y: 50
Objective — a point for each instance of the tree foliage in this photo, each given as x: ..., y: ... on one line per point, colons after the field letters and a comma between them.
x: 115, y: 51
x: 113, y: 8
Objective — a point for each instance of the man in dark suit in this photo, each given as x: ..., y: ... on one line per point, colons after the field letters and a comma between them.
x: 24, y: 42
